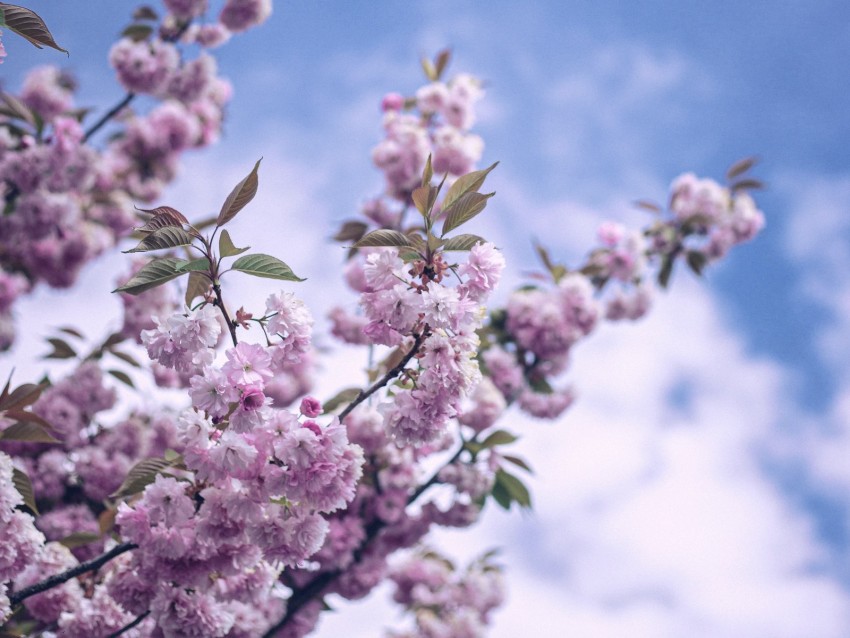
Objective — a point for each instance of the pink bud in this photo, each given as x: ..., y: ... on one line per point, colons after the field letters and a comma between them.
x: 310, y: 407
x: 313, y: 427
x: 392, y: 102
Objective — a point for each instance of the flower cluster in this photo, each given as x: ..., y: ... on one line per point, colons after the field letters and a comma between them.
x: 66, y: 200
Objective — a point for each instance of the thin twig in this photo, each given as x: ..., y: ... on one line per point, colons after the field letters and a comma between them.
x: 129, y: 626
x: 220, y: 303
x: 58, y: 579
x: 389, y: 376
x: 108, y: 116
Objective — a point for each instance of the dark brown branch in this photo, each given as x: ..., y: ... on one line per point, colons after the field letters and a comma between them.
x: 129, y: 626
x: 389, y: 376
x: 220, y: 303
x: 58, y: 579
x: 108, y: 116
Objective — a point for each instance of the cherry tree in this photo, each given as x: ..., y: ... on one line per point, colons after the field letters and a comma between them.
x: 242, y: 511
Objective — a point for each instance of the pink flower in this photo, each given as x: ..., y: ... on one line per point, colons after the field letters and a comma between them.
x: 248, y: 364
x: 311, y: 407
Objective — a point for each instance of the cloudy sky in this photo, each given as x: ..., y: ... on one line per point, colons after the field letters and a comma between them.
x: 700, y: 486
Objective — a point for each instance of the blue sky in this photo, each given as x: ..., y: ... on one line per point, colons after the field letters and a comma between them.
x: 700, y: 487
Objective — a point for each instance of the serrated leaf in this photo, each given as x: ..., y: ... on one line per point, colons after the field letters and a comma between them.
x: 239, y: 197
x: 384, y: 237
x: 28, y: 432
x: 515, y: 488
x: 463, y: 209
x: 61, y: 349
x: 123, y: 377
x: 351, y: 230
x: 342, y: 397
x: 499, y: 437
x: 261, y: 265
x: 740, y: 167
x: 141, y: 475
x: 29, y: 25
x: 22, y: 396
x: 518, y: 462
x: 145, y: 12
x: 79, y: 539
x: 469, y: 183
x: 18, y: 109
x: 24, y: 486
x: 162, y: 238
x: 226, y: 247
x: 162, y: 216
x: 197, y: 285
x: 137, y: 32
x: 152, y: 274
x: 462, y: 242
x: 202, y: 264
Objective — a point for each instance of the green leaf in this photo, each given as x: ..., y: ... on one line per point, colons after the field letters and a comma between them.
x: 645, y: 204
x: 22, y: 396
x: 152, y: 274
x: 145, y: 12
x: 666, y: 270
x: 72, y: 331
x: 463, y: 209
x: 24, y: 486
x: 17, y: 109
x: 79, y: 539
x: 740, y: 167
x: 162, y: 216
x: 502, y: 496
x: 28, y: 432
x: 518, y: 462
x: 29, y: 25
x: 351, y: 230
x: 424, y: 198
x: 469, y: 183
x: 137, y: 32
x: 696, y: 261
x: 123, y: 377
x: 747, y: 184
x: 202, y: 264
x: 239, y: 197
x: 342, y: 397
x: 261, y: 265
x: 515, y: 488
x: 61, y: 349
x: 166, y: 237
x: 141, y: 475
x: 428, y: 172
x: 197, y: 285
x: 462, y: 242
x: 499, y: 437
x: 384, y: 237
x: 126, y: 358
x: 226, y: 247
x: 430, y: 71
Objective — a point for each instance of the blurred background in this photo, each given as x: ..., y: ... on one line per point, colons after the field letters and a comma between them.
x: 699, y: 486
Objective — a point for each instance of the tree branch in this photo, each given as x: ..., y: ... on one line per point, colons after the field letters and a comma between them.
x: 389, y: 376
x: 130, y: 625
x: 108, y: 116
x: 58, y: 579
x: 220, y: 303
